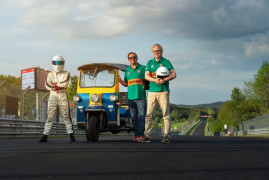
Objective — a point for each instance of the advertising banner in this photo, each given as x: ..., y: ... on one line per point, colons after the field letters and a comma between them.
x: 28, y: 78
x: 35, y: 78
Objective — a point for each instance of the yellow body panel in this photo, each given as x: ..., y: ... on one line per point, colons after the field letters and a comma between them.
x: 98, y: 103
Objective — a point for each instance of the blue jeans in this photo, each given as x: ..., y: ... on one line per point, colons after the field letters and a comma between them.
x: 138, y: 112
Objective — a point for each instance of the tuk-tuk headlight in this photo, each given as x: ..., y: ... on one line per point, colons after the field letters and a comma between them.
x: 76, y: 98
x: 113, y: 97
x: 94, y: 98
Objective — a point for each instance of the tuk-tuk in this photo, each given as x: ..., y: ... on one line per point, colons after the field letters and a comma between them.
x: 101, y: 107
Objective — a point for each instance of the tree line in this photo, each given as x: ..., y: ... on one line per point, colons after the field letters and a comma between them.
x: 246, y: 103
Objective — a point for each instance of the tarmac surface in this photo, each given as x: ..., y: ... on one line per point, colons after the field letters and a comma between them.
x: 200, y: 129
x: 117, y: 157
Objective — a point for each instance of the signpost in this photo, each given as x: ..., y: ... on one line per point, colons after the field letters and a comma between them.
x: 28, y: 78
x: 34, y: 79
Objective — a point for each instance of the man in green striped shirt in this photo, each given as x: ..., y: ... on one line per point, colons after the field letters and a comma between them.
x: 133, y: 79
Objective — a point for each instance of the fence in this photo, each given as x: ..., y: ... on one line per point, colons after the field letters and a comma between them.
x: 27, y: 104
x: 29, y: 128
x: 187, y: 127
x: 255, y: 123
x: 255, y: 126
x: 260, y: 131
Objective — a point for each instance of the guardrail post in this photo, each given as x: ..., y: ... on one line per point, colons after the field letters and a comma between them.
x: 37, y: 113
x: 22, y: 101
x: 42, y: 101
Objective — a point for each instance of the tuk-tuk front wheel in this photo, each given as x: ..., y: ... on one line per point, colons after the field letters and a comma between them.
x: 92, y: 131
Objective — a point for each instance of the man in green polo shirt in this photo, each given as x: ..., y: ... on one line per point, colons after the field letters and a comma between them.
x: 133, y: 79
x: 158, y: 93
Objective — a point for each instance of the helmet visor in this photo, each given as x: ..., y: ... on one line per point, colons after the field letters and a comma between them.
x: 58, y: 62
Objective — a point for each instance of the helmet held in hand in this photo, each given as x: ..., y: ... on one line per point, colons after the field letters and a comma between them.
x: 162, y: 72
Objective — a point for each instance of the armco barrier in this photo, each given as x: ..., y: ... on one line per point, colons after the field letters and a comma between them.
x: 255, y: 123
x: 30, y: 128
x: 189, y: 128
x: 260, y: 131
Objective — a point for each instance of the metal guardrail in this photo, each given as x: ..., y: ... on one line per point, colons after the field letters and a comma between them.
x: 255, y: 126
x: 183, y: 130
x: 30, y: 128
x: 187, y: 129
x: 260, y: 131
x: 255, y: 123
x: 210, y: 133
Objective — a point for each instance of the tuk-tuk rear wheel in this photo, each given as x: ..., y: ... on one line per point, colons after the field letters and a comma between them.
x: 92, y: 131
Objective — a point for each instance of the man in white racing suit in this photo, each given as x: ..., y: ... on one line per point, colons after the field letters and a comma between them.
x: 57, y: 82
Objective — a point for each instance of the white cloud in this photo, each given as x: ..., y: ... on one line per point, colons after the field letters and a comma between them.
x: 192, y: 19
x: 257, y: 45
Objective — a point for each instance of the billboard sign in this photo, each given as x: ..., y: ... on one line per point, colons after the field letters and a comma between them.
x: 35, y: 78
x: 28, y: 78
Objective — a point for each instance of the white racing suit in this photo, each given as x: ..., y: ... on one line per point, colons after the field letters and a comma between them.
x: 58, y: 96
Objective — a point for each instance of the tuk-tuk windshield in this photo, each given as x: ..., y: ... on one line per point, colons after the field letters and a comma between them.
x: 97, y: 77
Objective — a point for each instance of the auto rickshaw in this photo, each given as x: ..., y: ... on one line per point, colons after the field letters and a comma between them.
x: 101, y: 107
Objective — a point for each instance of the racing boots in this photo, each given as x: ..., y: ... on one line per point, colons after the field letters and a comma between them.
x: 44, y: 138
x: 72, y: 137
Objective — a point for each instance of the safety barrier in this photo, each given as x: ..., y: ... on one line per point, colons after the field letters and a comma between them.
x: 187, y: 128
x: 30, y: 128
x: 260, y: 131
x: 255, y: 123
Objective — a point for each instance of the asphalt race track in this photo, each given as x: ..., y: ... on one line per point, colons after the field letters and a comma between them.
x: 117, y: 157
x: 200, y: 129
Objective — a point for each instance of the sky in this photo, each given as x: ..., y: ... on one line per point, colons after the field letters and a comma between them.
x: 213, y: 45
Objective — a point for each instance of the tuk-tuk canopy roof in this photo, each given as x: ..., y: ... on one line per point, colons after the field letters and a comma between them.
x: 122, y: 67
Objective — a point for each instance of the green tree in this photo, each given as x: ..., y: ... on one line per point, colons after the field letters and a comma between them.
x: 237, y: 96
x: 11, y: 79
x: 72, y: 88
x: 260, y: 85
x: 237, y: 110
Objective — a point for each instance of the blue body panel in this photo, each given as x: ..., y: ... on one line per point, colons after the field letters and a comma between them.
x: 108, y: 106
x: 84, y: 102
x: 125, y: 112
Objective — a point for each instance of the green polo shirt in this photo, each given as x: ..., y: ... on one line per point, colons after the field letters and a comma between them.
x: 152, y: 67
x: 134, y: 79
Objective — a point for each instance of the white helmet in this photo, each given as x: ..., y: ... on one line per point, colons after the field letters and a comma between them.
x: 58, y: 63
x: 162, y: 72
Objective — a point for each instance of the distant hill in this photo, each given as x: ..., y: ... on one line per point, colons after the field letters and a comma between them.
x: 206, y: 106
